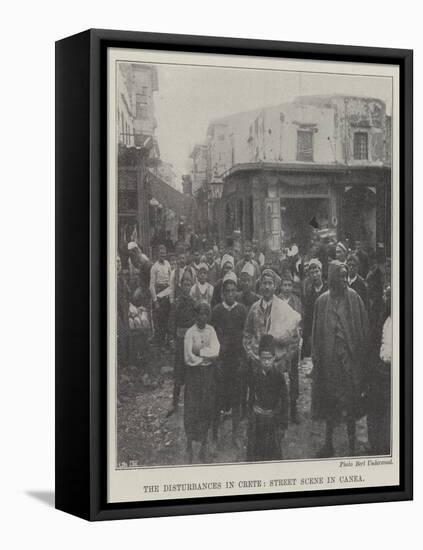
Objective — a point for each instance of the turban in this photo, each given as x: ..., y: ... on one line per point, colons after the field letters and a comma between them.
x: 286, y: 276
x: 342, y: 246
x: 269, y: 273
x: 248, y: 268
x: 227, y: 258
x: 293, y: 251
x: 316, y: 262
x: 203, y: 267
x: 132, y: 245
x: 231, y: 277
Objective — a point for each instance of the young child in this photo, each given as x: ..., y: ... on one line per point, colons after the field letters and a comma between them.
x: 268, y: 403
x: 202, y: 290
x: 201, y: 349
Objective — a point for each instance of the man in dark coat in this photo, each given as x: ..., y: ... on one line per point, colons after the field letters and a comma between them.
x: 356, y: 282
x: 339, y: 350
x: 314, y: 287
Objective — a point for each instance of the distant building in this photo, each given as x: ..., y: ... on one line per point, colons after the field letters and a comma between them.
x: 320, y: 158
x: 166, y: 172
x: 199, y: 167
x: 149, y: 207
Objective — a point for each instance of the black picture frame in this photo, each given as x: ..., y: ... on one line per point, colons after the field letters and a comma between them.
x: 81, y: 280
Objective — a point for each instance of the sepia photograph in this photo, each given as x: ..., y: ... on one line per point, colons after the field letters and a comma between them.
x: 252, y: 275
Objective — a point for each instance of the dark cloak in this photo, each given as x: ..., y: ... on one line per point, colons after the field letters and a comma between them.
x: 339, y: 349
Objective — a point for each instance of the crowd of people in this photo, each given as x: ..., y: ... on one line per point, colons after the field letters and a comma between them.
x: 238, y: 323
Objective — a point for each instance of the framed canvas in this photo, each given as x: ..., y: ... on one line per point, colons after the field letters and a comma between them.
x: 233, y: 276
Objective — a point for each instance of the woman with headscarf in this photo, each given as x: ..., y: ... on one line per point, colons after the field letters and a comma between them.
x: 339, y: 347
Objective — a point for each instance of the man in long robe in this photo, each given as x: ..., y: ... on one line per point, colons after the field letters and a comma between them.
x: 339, y: 348
x: 271, y: 315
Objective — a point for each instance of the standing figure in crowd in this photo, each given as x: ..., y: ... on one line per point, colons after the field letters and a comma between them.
x: 213, y: 267
x: 122, y: 316
x: 271, y: 315
x: 268, y: 405
x: 228, y: 320
x: 356, y: 282
x: 139, y: 270
x: 341, y: 252
x: 287, y: 295
x: 296, y: 268
x: 227, y: 264
x: 160, y: 291
x: 202, y: 290
x: 196, y: 260
x: 201, y: 349
x: 246, y: 296
x: 248, y: 258
x: 315, y: 287
x: 183, y: 318
x: 339, y: 350
x: 363, y: 258
x: 374, y: 280
x: 258, y: 254
x: 177, y: 275
x: 379, y: 415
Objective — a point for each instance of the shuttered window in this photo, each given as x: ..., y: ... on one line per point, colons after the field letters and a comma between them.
x: 304, y: 145
x: 361, y: 146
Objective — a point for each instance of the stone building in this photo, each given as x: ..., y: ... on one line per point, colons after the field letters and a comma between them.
x: 318, y: 159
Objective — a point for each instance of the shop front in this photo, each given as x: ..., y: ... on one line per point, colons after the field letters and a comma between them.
x: 279, y: 204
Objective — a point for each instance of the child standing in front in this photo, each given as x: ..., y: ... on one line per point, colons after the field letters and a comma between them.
x: 268, y: 404
x: 201, y: 350
x: 202, y: 290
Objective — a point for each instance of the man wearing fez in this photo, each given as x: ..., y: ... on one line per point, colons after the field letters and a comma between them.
x: 339, y: 350
x: 271, y: 315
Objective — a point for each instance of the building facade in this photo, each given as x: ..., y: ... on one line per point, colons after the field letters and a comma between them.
x: 319, y: 161
x: 151, y: 209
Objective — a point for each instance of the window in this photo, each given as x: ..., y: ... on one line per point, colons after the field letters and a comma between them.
x: 360, y: 146
x: 305, y: 145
